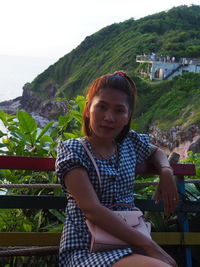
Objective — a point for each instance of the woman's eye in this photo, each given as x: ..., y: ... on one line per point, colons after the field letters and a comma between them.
x: 119, y: 110
x: 103, y: 107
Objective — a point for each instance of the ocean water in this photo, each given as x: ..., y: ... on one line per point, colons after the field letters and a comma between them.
x: 15, y: 71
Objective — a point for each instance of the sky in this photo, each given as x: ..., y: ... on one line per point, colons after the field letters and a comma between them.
x: 52, y: 28
x: 36, y: 33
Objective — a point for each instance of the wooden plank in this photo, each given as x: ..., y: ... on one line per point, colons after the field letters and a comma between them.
x: 32, y: 202
x: 192, y: 238
x: 53, y: 239
x: 167, y: 238
x: 185, y: 206
x: 27, y: 163
x: 54, y: 202
x: 48, y: 164
x: 29, y: 239
x: 190, y: 206
x: 179, y: 169
x: 175, y: 238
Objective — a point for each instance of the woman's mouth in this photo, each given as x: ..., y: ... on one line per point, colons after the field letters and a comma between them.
x: 107, y: 127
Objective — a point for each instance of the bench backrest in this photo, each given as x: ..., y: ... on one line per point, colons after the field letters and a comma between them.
x: 48, y: 164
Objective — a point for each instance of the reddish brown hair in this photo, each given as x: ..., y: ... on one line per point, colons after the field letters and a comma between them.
x: 114, y: 81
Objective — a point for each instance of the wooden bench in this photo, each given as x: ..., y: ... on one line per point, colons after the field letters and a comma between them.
x: 49, y: 242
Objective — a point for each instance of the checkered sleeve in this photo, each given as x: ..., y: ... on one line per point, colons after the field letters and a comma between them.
x: 70, y: 155
x: 141, y: 144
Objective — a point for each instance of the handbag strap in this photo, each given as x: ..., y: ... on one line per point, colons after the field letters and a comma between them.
x: 92, y: 159
x: 125, y: 205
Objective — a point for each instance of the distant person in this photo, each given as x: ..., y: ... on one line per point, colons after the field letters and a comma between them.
x: 153, y: 56
x: 168, y: 58
x: 116, y: 150
x: 184, y: 61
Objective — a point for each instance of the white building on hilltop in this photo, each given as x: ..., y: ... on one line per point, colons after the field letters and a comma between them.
x: 165, y: 67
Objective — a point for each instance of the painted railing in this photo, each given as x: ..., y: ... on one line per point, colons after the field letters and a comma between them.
x: 34, y: 243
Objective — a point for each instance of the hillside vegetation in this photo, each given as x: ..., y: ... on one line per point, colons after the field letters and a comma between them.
x: 175, y: 33
x: 169, y: 103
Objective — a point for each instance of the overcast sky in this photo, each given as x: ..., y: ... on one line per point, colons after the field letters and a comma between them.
x: 52, y: 28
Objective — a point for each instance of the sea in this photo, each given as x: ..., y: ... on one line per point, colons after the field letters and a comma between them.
x: 16, y: 71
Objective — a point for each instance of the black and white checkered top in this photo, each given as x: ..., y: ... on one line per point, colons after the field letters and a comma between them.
x: 117, y: 178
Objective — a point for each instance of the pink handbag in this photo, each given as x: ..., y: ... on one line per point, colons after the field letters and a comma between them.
x: 102, y: 240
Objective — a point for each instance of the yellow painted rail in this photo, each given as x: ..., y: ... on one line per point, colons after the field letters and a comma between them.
x: 53, y: 239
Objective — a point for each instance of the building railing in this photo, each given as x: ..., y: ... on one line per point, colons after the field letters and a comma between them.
x: 167, y: 59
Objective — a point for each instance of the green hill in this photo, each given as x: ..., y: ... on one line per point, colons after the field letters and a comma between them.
x: 175, y: 33
x: 169, y: 103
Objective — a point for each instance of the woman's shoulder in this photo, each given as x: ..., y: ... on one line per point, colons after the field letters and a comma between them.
x: 71, y: 145
x: 70, y: 155
x: 134, y: 136
x: 140, y: 143
x: 72, y: 142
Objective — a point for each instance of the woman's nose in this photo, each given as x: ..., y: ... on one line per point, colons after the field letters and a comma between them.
x: 108, y: 116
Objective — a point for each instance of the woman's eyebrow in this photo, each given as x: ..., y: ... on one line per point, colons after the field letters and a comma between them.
x: 107, y: 103
x: 121, y: 105
x: 103, y: 102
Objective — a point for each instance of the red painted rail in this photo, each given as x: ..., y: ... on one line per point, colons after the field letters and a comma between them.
x: 48, y: 164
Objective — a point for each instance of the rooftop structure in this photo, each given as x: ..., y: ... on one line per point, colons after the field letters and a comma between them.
x: 165, y: 67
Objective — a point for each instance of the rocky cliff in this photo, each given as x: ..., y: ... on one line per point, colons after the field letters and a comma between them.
x: 43, y: 110
x: 177, y: 139
x: 47, y: 107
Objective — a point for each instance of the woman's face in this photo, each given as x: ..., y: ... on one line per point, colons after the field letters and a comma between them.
x: 108, y: 113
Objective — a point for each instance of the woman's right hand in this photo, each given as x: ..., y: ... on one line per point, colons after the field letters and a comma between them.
x: 155, y: 251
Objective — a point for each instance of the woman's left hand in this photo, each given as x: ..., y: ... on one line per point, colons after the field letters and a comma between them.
x: 167, y: 191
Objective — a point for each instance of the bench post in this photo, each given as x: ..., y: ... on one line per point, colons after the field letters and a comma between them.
x: 183, y: 222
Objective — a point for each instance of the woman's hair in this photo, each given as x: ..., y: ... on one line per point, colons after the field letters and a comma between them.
x: 117, y: 81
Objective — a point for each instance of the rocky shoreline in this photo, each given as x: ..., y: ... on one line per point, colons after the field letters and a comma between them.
x: 43, y: 111
x: 12, y: 106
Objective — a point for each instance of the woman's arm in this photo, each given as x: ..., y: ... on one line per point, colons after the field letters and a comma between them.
x: 167, y: 189
x: 78, y: 184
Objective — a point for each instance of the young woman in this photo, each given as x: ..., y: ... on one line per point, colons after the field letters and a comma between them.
x: 116, y: 150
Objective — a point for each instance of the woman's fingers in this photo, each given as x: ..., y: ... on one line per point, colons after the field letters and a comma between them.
x: 170, y: 198
x: 168, y: 191
x: 158, y: 195
x: 170, y: 203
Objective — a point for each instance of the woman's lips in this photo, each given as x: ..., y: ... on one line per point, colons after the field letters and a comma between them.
x: 107, y: 127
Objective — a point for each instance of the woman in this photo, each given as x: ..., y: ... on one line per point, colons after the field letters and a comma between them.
x: 116, y: 150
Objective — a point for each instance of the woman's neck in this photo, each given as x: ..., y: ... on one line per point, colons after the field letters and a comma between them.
x: 101, y: 142
x: 101, y: 147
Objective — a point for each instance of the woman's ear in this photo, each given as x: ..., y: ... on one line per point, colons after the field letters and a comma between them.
x: 87, y: 109
x: 130, y: 116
